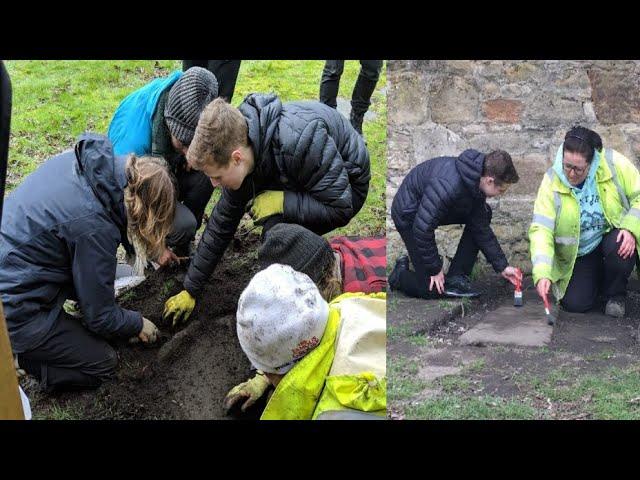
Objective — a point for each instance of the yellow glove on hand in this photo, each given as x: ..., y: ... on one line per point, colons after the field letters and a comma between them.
x: 268, y: 203
x: 251, y: 390
x: 179, y: 307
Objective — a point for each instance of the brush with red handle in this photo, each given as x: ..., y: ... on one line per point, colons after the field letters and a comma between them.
x: 517, y: 293
x: 547, y: 309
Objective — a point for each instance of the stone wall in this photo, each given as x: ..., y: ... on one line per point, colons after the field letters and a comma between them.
x: 438, y: 107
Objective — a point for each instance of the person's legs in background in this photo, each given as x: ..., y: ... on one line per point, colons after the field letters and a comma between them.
x: 362, y: 91
x: 226, y: 72
x: 330, y: 82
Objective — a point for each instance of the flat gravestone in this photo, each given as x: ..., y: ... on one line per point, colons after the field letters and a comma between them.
x: 508, y: 325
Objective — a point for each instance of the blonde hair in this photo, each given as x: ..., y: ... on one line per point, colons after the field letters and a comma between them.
x: 150, y: 202
x: 330, y: 283
x: 221, y: 129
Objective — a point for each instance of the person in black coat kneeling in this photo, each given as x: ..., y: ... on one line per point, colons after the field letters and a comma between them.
x: 444, y: 191
x: 298, y: 162
x: 59, y: 239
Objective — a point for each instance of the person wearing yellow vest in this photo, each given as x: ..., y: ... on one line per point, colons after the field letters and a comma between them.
x: 586, y: 223
x: 326, y: 361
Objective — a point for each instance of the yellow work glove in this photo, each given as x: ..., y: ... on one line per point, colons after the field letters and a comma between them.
x: 251, y: 390
x: 268, y: 203
x: 179, y: 307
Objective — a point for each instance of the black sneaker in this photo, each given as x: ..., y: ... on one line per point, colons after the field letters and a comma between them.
x: 402, y: 263
x: 459, y: 286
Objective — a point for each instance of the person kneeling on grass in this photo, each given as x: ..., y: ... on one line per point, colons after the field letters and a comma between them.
x: 60, y: 233
x: 445, y: 191
x: 299, y: 162
x: 586, y: 222
x: 326, y: 361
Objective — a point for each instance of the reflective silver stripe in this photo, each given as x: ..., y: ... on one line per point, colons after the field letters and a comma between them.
x: 544, y: 221
x: 634, y: 212
x: 608, y: 155
x: 556, y: 195
x: 538, y: 259
x: 550, y: 174
x: 566, y: 240
x: 558, y: 202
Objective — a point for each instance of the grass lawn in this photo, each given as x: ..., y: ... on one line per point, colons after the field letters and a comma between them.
x: 55, y: 101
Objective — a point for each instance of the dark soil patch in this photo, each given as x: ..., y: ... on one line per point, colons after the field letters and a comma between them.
x: 199, y: 361
x: 582, y: 344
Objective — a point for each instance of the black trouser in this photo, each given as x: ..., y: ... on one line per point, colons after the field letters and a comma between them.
x: 70, y: 357
x: 602, y: 271
x: 226, y: 72
x: 416, y: 284
x: 362, y: 91
x: 195, y: 191
x: 467, y: 251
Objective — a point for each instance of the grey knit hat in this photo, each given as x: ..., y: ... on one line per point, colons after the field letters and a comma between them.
x: 293, y: 245
x: 193, y: 91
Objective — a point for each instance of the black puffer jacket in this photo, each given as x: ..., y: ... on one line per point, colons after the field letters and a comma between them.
x: 444, y: 191
x: 60, y: 233
x: 306, y: 149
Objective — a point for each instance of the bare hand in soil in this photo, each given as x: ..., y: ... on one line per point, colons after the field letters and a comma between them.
x: 179, y: 307
x: 438, y: 281
x: 251, y: 391
x: 543, y: 287
x: 149, y: 332
x: 168, y: 258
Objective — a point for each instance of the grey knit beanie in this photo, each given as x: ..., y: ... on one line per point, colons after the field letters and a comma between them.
x: 293, y: 245
x: 193, y: 91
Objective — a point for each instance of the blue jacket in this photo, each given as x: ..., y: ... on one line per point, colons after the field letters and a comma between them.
x: 131, y: 126
x: 60, y: 232
x: 445, y: 191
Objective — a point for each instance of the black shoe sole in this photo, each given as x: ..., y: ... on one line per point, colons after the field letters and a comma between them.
x: 453, y: 294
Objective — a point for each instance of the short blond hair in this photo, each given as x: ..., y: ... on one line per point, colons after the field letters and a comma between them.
x: 221, y: 130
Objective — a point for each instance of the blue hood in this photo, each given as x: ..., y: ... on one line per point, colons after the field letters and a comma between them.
x: 557, y: 167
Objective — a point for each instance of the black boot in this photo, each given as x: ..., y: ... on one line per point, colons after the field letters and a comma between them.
x: 356, y: 121
x: 402, y: 263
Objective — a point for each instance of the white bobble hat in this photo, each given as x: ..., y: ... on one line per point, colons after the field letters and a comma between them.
x: 281, y: 317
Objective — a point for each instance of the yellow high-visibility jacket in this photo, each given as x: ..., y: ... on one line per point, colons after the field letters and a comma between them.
x: 345, y: 375
x: 554, y: 234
